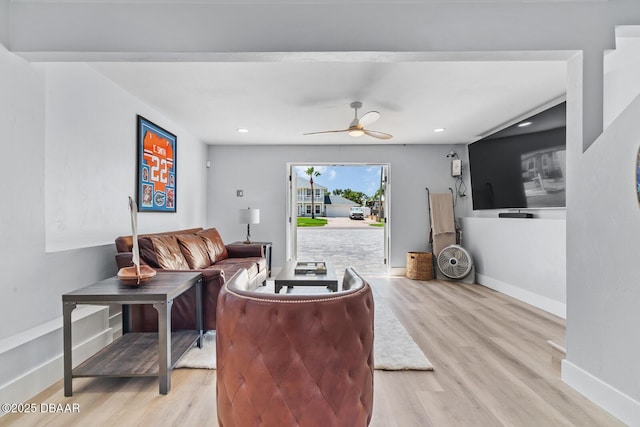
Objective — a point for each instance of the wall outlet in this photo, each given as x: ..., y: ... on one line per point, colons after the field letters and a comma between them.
x: 239, y: 193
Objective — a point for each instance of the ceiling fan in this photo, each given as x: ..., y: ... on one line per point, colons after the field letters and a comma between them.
x: 356, y: 128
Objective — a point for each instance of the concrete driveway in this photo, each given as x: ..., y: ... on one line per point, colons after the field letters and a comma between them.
x: 347, y: 243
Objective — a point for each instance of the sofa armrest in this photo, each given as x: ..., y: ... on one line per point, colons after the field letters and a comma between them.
x: 211, y: 274
x: 244, y: 251
x: 124, y: 259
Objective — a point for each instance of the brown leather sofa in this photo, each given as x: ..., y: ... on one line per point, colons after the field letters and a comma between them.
x: 295, y: 359
x: 193, y: 249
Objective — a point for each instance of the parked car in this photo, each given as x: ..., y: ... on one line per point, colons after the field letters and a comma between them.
x: 356, y: 212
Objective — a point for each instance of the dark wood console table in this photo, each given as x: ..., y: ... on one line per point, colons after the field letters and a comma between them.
x: 123, y: 357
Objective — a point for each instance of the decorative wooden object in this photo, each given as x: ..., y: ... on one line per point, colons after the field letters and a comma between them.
x: 137, y: 274
x: 130, y: 277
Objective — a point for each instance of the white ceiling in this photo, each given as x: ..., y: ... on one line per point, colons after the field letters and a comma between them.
x: 280, y: 97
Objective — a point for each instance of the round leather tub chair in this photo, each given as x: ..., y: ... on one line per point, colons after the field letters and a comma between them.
x: 295, y: 359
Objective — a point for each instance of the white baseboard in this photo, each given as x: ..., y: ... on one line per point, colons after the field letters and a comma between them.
x: 602, y: 394
x: 543, y: 303
x: 35, y: 356
x: 274, y: 272
x: 398, y: 271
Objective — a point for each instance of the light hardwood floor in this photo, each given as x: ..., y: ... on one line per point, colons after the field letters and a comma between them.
x: 492, y: 368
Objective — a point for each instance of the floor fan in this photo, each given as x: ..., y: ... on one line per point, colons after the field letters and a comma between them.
x: 455, y: 263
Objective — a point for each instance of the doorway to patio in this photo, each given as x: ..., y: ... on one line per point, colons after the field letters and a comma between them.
x: 319, y: 201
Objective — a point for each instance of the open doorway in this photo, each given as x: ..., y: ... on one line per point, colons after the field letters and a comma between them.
x: 339, y: 212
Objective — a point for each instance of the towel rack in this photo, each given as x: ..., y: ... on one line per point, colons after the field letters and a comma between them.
x: 458, y: 231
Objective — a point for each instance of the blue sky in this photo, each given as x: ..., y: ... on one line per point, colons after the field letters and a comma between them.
x: 358, y: 178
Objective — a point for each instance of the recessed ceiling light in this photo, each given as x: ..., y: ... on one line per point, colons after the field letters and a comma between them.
x: 524, y: 124
x: 438, y: 130
x: 243, y: 130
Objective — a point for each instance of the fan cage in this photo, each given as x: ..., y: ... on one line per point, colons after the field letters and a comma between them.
x: 454, y: 262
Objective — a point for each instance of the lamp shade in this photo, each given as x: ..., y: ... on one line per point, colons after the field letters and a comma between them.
x: 249, y: 216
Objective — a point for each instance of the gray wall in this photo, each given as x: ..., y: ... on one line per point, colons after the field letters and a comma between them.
x: 32, y: 275
x: 32, y: 278
x: 261, y: 171
x: 606, y: 275
x: 598, y: 294
x: 603, y: 220
x: 4, y: 23
x: 523, y: 258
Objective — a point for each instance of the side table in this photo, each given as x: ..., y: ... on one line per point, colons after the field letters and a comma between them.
x: 124, y: 357
x: 266, y: 248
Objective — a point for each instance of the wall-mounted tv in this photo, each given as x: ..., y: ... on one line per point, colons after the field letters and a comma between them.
x: 522, y: 166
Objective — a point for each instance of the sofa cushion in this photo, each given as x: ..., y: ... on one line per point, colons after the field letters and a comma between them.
x: 194, y: 250
x: 260, y: 263
x: 216, y: 248
x: 147, y: 253
x: 231, y: 265
x: 168, y: 254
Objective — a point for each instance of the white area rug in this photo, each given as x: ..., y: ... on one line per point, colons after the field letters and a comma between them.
x: 201, y: 358
x: 393, y: 347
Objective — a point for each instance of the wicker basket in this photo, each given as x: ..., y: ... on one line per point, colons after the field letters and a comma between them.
x: 419, y: 265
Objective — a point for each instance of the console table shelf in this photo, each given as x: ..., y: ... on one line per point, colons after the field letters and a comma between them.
x: 134, y: 355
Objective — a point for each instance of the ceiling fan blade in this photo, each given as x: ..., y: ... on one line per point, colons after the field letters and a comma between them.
x: 326, y: 131
x: 377, y: 134
x: 369, y: 118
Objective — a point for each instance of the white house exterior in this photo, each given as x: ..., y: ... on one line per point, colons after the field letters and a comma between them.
x: 325, y: 203
x: 304, y: 198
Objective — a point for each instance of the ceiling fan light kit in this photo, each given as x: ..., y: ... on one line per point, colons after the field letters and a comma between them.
x: 357, y: 126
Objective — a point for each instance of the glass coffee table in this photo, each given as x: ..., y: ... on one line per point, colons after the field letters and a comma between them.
x: 307, y: 273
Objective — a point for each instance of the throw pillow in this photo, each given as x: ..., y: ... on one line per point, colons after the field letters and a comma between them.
x: 168, y: 253
x: 194, y: 250
x: 147, y: 253
x: 216, y: 248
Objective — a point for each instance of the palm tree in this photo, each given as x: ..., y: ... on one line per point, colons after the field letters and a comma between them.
x: 312, y: 172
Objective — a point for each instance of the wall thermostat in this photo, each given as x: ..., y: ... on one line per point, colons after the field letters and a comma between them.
x: 456, y: 167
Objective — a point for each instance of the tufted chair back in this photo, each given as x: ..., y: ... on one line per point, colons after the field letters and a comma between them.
x: 295, y: 360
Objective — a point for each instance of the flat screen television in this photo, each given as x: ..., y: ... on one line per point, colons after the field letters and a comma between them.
x: 521, y: 167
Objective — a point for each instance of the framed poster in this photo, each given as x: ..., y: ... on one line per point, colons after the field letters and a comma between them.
x: 156, y: 169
